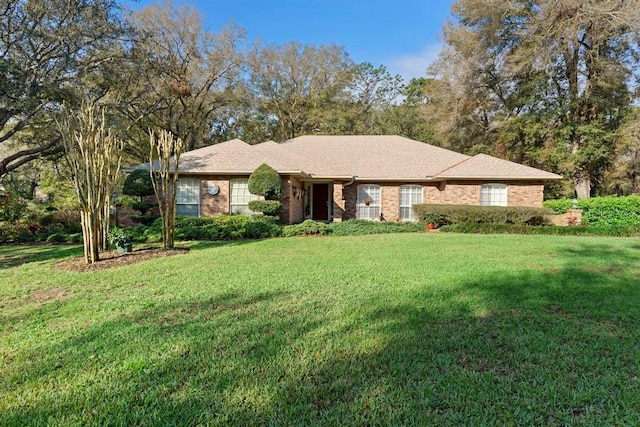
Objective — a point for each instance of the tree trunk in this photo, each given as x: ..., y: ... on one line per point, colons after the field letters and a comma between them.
x: 582, y: 183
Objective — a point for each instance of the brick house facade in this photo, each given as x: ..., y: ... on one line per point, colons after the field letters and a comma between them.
x: 336, y: 178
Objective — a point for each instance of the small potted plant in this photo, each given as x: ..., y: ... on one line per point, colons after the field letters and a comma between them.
x: 432, y: 220
x: 367, y: 201
x: 119, y: 238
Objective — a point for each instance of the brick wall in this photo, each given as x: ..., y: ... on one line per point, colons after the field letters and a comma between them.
x: 218, y: 204
x: 390, y: 203
x: 292, y: 200
x: 468, y: 193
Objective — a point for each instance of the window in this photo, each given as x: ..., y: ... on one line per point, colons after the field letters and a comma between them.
x: 409, y: 196
x: 188, y: 197
x: 369, y: 202
x: 493, y: 195
x: 240, y: 196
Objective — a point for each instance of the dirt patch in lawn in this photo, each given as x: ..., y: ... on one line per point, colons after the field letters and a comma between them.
x: 45, y: 295
x: 114, y: 259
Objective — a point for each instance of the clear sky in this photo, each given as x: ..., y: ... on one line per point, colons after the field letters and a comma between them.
x: 403, y: 35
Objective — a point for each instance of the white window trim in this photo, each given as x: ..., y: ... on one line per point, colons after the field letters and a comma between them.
x: 492, y: 200
x: 231, y: 196
x: 412, y: 202
x: 361, y: 206
x: 196, y: 183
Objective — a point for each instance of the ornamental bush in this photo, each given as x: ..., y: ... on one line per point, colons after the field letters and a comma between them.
x: 455, y: 214
x: 600, y: 230
x: 265, y: 181
x: 267, y: 207
x: 138, y: 183
x: 609, y: 210
x: 308, y: 227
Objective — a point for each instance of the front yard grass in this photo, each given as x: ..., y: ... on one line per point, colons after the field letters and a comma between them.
x: 397, y: 329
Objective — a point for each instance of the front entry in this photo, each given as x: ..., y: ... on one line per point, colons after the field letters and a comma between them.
x: 320, y: 202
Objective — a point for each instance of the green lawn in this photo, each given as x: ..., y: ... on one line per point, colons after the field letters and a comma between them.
x: 374, y: 330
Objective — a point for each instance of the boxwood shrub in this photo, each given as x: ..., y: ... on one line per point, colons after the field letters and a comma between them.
x: 308, y: 227
x: 359, y: 227
x: 455, y: 214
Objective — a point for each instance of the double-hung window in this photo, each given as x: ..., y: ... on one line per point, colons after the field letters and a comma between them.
x: 188, y: 197
x: 493, y: 195
x: 369, y: 202
x: 240, y: 196
x: 409, y: 196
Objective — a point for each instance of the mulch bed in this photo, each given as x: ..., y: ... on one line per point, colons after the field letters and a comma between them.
x: 114, y: 259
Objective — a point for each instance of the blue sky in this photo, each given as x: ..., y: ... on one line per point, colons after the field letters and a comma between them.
x: 403, y: 35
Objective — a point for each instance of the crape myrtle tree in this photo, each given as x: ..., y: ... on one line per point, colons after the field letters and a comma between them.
x: 544, y: 81
x: 94, y: 156
x: 164, y: 159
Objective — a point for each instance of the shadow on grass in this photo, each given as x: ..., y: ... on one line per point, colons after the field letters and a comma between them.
x: 537, y: 347
x: 16, y: 255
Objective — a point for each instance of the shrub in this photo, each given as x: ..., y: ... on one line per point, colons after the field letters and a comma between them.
x: 454, y: 214
x: 143, y: 207
x: 607, y: 230
x: 74, y: 238
x: 265, y: 181
x: 610, y: 210
x: 307, y: 228
x: 118, y: 236
x: 144, y: 219
x: 58, y: 238
x: 359, y: 227
x: 138, y: 183
x: 267, y: 207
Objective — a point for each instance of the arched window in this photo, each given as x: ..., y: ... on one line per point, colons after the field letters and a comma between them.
x: 369, y: 202
x: 493, y: 195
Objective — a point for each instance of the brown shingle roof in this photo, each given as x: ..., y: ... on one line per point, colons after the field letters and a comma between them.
x: 367, y: 157
x: 483, y: 166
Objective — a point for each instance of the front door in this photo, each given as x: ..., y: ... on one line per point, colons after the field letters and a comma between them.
x: 320, y: 202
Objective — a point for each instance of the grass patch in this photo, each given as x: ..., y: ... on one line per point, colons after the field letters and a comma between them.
x: 390, y: 329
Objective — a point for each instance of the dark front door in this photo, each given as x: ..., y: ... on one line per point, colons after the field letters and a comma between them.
x: 320, y: 202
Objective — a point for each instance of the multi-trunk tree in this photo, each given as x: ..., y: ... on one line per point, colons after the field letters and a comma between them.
x: 94, y: 156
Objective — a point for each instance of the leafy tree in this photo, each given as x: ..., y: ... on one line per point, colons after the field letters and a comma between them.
x: 47, y: 49
x: 549, y: 76
x: 295, y: 87
x: 179, y: 75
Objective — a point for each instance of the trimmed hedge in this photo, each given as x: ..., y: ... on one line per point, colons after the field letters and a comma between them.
x: 455, y: 214
x: 227, y: 227
x: 308, y: 227
x: 610, y: 230
x: 359, y: 227
x: 609, y: 210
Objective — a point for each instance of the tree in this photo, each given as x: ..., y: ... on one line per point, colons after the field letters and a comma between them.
x: 179, y: 76
x: 296, y: 87
x: 47, y: 48
x: 164, y: 160
x: 138, y: 183
x: 93, y: 153
x: 551, y: 76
